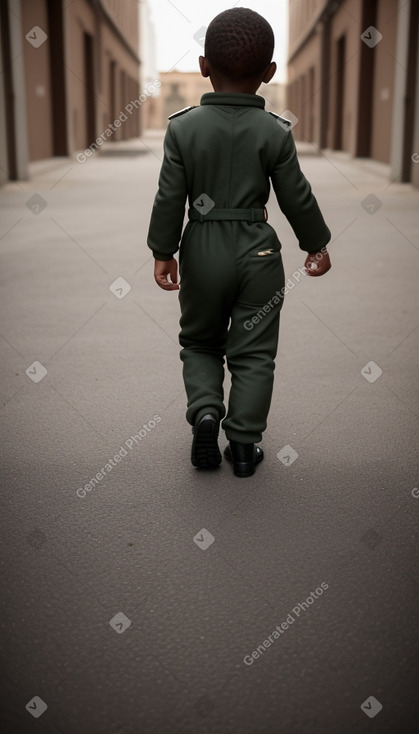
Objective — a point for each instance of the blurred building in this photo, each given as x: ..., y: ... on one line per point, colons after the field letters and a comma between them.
x: 181, y: 89
x: 69, y: 70
x: 352, y: 77
x: 149, y: 68
x: 178, y: 89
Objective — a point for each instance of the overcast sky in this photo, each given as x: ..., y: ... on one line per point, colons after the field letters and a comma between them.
x: 177, y: 21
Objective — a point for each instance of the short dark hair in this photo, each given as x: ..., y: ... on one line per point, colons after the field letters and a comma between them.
x: 239, y: 43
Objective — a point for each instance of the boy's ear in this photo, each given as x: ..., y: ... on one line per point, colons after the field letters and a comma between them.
x: 203, y: 65
x: 269, y: 73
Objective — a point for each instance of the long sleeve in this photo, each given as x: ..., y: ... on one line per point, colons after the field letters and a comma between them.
x: 297, y: 201
x: 169, y: 204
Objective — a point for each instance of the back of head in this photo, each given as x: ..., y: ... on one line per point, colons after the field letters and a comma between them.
x: 239, y: 44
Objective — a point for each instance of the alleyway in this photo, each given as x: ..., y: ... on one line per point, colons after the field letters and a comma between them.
x: 135, y: 589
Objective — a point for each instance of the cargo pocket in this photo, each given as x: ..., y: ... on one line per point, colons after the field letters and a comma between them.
x: 263, y: 276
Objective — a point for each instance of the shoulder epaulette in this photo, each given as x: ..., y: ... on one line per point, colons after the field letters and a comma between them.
x: 284, y: 121
x: 181, y: 112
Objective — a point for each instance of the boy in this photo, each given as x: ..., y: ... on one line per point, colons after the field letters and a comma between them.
x: 221, y: 156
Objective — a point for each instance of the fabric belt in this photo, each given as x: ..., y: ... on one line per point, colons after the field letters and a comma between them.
x: 222, y: 215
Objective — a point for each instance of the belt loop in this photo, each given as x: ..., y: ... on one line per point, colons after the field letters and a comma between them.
x: 254, y: 217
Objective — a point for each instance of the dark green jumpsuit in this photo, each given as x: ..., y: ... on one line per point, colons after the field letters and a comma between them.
x: 221, y: 156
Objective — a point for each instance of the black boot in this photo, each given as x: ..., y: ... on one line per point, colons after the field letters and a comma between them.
x: 244, y: 456
x: 205, y: 452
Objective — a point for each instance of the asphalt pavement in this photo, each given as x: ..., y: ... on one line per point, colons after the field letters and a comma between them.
x: 141, y: 595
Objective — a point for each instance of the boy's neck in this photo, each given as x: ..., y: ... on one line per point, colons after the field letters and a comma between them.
x: 221, y: 83
x: 236, y: 88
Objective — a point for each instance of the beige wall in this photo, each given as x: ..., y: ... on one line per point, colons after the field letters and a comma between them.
x: 345, y: 22
x: 304, y: 90
x: 37, y: 75
x: 383, y: 81
x: 81, y: 17
x: 350, y: 108
x: 303, y: 15
x: 115, y: 53
x: 124, y: 14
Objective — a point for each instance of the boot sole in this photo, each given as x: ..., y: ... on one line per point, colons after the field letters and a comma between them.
x: 205, y: 452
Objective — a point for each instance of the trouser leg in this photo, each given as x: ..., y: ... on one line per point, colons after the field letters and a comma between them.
x: 251, y: 361
x: 203, y: 376
x: 251, y: 349
x: 205, y: 297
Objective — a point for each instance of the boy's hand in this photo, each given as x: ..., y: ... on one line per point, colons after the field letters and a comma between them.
x: 164, y: 268
x: 317, y: 263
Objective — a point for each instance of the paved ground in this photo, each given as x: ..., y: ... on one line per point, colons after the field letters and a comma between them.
x: 117, y: 613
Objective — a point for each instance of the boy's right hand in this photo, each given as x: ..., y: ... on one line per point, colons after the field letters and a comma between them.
x: 317, y: 263
x: 164, y: 268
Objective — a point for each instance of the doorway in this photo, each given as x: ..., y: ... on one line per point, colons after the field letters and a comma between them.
x: 340, y: 92
x: 89, y: 86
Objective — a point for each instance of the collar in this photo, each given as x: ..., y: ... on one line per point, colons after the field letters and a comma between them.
x: 233, y: 98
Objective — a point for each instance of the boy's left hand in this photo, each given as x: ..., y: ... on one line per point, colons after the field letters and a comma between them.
x: 164, y: 268
x: 317, y: 263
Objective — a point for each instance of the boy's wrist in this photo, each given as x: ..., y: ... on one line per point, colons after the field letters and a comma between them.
x: 315, y: 252
x: 162, y: 256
